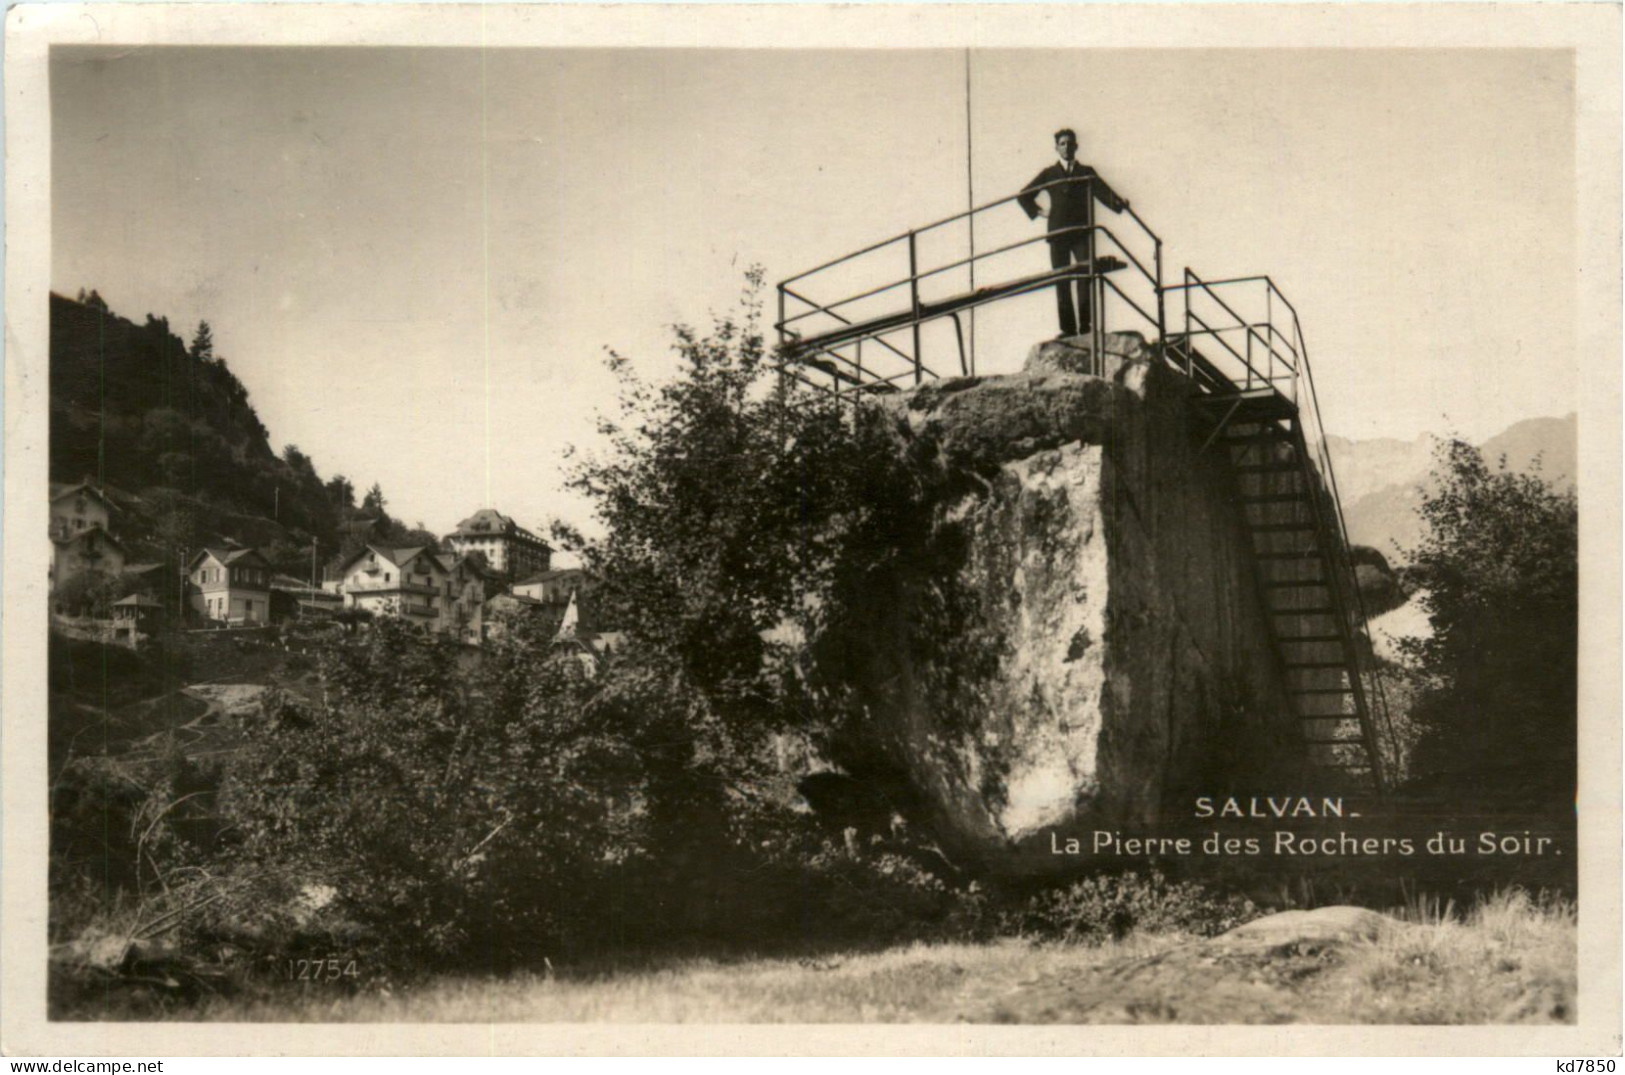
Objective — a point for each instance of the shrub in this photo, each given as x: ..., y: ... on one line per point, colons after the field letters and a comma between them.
x: 451, y: 815
x: 1499, y: 574
x: 1109, y: 907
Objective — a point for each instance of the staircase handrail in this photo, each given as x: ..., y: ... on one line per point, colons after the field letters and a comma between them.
x: 1324, y: 460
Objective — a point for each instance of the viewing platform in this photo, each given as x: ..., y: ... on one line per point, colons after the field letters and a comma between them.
x: 876, y: 320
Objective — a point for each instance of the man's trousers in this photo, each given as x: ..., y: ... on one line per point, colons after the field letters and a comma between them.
x: 1075, y: 319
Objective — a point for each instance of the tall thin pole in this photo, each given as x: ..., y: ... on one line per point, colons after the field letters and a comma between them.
x: 970, y: 200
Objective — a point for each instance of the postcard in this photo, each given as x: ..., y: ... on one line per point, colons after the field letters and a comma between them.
x: 979, y: 529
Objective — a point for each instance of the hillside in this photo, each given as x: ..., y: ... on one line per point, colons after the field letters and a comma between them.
x: 1383, y: 480
x: 135, y: 407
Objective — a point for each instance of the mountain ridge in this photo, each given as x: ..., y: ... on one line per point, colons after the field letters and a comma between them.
x: 1383, y: 481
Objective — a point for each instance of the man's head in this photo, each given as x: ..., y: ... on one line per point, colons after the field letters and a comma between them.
x: 1066, y: 144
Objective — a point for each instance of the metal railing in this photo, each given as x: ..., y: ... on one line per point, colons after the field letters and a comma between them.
x: 827, y: 333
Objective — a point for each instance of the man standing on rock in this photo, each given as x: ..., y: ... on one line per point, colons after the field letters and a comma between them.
x: 1074, y: 187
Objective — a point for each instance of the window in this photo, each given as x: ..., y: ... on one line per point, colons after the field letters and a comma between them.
x: 386, y: 576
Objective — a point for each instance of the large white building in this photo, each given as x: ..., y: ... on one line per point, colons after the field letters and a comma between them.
x: 509, y: 548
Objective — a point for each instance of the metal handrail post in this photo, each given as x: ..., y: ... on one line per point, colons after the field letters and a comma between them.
x: 914, y: 300
x: 1091, y: 285
x: 1269, y: 318
x: 1187, y: 295
x: 784, y: 340
x: 1162, y: 328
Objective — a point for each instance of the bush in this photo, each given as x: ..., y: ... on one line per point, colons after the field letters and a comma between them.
x: 451, y: 815
x: 1109, y: 907
x: 1498, y: 569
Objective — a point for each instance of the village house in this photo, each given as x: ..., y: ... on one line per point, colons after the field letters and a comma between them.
x: 82, y: 533
x: 230, y: 585
x: 509, y: 548
x: 135, y: 617
x: 92, y: 549
x: 590, y: 647
x: 472, y: 583
x: 412, y: 583
x: 79, y: 507
x: 555, y: 586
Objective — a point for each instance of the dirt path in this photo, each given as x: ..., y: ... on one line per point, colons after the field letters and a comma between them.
x: 218, y: 701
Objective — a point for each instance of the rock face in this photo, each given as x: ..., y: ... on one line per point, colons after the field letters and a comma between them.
x: 1078, y: 641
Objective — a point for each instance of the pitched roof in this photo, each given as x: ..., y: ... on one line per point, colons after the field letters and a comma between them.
x: 60, y: 490
x: 486, y: 521
x: 227, y: 555
x: 517, y: 599
x: 140, y: 600
x: 397, y: 557
x: 85, y: 534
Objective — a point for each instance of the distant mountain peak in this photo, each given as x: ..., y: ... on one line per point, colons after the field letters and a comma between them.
x: 1382, y: 479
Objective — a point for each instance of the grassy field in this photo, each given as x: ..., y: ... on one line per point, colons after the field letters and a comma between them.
x: 1508, y: 961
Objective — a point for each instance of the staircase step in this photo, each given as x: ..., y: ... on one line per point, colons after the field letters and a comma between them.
x: 1295, y: 666
x: 1266, y: 468
x: 1273, y: 498
x: 1324, y: 690
x: 1334, y: 742
x: 1280, y: 528
x: 1302, y: 611
x: 1311, y: 638
x: 1295, y: 584
x: 1306, y: 554
x: 1279, y: 436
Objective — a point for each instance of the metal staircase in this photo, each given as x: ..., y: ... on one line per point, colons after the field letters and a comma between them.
x: 1288, y: 504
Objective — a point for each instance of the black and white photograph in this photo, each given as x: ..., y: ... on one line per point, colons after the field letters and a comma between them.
x: 1092, y: 519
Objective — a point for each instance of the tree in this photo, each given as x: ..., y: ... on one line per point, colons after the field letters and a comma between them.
x: 731, y: 500
x: 91, y: 593
x: 300, y: 464
x: 374, y: 501
x: 202, y: 349
x: 341, y: 493
x: 455, y: 814
x: 1498, y: 572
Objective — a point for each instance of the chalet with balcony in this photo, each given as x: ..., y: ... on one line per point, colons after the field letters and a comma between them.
x: 230, y: 585
x: 411, y: 583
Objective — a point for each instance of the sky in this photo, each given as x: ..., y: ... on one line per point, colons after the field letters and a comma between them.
x: 416, y: 258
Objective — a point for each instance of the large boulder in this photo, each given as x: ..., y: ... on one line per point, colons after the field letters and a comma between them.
x: 1075, y: 638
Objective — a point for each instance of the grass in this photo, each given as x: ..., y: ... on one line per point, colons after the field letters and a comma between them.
x: 931, y: 983
x: 1510, y: 959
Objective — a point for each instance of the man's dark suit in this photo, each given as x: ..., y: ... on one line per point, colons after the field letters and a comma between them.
x: 1069, y: 208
